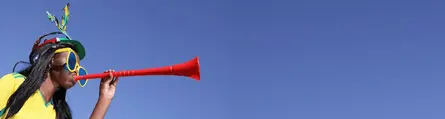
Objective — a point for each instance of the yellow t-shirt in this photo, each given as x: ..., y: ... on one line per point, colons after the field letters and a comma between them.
x: 34, y: 108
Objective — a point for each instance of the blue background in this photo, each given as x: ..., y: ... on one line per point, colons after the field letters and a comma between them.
x: 305, y: 59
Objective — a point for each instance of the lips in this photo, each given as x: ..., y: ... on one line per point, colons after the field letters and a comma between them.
x: 73, y: 81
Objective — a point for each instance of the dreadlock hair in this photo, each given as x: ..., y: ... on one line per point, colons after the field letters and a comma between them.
x: 35, y: 76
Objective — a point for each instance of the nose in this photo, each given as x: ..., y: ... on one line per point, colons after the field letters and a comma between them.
x: 74, y: 73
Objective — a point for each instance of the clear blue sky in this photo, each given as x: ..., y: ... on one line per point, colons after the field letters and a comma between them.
x: 306, y: 59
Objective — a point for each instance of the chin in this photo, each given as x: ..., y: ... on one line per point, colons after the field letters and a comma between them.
x: 68, y: 86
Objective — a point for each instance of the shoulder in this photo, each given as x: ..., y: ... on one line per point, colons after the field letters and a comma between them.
x: 8, y: 84
x: 12, y: 78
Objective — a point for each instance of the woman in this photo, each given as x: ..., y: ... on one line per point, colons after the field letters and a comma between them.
x: 39, y: 91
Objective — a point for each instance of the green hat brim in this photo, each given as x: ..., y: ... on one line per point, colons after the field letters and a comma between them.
x: 78, y: 47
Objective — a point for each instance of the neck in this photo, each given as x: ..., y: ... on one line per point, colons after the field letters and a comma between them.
x: 48, y: 89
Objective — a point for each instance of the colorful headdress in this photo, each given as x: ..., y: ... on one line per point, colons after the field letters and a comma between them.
x: 62, y: 27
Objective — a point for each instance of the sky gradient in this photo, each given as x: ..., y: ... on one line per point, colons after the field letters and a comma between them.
x: 284, y: 59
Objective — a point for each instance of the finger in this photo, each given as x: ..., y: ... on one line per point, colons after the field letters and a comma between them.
x: 106, y: 71
x: 109, y: 78
x: 114, y: 83
x: 112, y: 70
x: 103, y: 79
x: 114, y: 78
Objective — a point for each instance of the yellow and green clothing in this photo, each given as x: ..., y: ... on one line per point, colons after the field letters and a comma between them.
x: 34, y: 108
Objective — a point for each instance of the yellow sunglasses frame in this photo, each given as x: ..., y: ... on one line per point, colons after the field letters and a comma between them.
x: 77, y: 67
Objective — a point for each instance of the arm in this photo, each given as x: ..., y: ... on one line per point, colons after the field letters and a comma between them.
x: 101, y: 108
x: 106, y: 94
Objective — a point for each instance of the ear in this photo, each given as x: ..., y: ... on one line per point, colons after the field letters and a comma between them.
x: 51, y: 63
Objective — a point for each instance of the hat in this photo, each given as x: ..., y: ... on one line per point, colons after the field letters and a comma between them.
x: 77, y: 46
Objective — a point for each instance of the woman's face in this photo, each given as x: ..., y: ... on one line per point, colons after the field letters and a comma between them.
x: 62, y: 77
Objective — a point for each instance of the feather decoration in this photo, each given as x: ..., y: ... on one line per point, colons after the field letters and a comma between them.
x: 61, y: 25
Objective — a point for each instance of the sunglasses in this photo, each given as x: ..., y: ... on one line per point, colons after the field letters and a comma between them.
x: 72, y: 64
